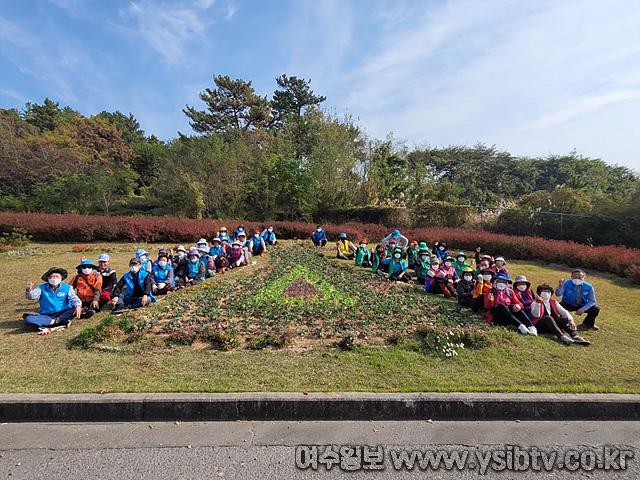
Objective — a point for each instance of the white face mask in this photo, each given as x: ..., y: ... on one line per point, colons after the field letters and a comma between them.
x: 501, y: 286
x: 54, y: 282
x: 545, y: 296
x: 143, y: 258
x: 396, y: 255
x: 447, y: 264
x: 318, y: 230
x: 577, y: 281
x: 522, y: 288
x: 461, y: 259
x: 441, y: 248
x: 468, y: 278
x: 270, y: 230
x: 180, y: 254
x: 486, y: 278
x: 87, y: 271
x: 194, y: 260
x: 134, y: 269
x: 162, y: 263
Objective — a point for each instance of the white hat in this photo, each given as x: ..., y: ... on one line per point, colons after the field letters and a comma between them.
x: 202, y: 240
x: 103, y: 257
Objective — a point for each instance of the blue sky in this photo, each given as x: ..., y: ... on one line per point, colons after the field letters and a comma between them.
x: 532, y: 78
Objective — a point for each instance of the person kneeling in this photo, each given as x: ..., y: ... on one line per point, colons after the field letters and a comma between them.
x: 551, y: 317
x: 133, y: 290
x: 344, y: 248
x: 363, y: 254
x: 58, y: 302
x: 503, y: 307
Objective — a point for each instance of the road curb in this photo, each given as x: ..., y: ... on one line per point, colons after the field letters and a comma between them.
x: 123, y: 407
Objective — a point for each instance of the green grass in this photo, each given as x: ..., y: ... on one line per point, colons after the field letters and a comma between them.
x: 510, y: 363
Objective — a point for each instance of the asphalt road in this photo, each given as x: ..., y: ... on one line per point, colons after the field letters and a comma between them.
x: 267, y: 450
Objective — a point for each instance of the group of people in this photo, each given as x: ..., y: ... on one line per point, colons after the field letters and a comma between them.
x: 96, y: 285
x: 484, y: 286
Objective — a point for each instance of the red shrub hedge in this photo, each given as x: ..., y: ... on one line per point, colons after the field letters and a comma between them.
x: 83, y: 228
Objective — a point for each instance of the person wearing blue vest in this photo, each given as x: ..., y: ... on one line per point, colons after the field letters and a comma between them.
x: 143, y: 257
x: 162, y: 275
x: 319, y: 237
x: 398, y: 267
x: 216, y: 248
x: 579, y: 296
x: 223, y: 235
x: 192, y: 272
x: 58, y: 302
x: 133, y: 290
x: 269, y: 236
x: 237, y: 232
x: 256, y: 244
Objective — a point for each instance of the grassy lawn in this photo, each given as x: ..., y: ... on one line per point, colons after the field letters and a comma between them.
x: 509, y: 363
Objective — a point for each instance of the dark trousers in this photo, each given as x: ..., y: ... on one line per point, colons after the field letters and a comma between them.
x: 503, y: 315
x: 318, y: 243
x: 559, y: 327
x: 592, y: 313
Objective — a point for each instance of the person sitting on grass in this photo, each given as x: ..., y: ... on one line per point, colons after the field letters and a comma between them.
x: 363, y: 255
x: 179, y: 257
x: 207, y: 261
x: 465, y: 287
x: 257, y: 244
x: 550, y: 317
x: 379, y: 255
x: 202, y: 244
x: 58, y: 303
x: 522, y: 289
x: 223, y: 235
x: 436, y: 282
x: 319, y: 237
x: 412, y: 254
x: 87, y: 284
x: 423, y: 262
x: 237, y: 256
x: 440, y: 250
x: 485, y: 262
x: 216, y: 248
x: 579, y: 296
x: 236, y: 234
x: 191, y: 272
x: 484, y: 284
x: 398, y: 267
x: 133, y: 290
x: 344, y: 248
x: 461, y: 263
x: 163, y: 275
x: 398, y: 240
x: 143, y: 257
x: 109, y: 278
x: 448, y: 270
x: 502, y: 307
x: 269, y: 236
x: 499, y: 266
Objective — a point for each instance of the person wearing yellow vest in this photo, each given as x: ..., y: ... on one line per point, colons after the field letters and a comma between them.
x: 345, y: 249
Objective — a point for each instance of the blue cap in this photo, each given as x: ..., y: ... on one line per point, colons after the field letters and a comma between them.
x: 502, y: 276
x: 343, y: 235
x: 396, y: 233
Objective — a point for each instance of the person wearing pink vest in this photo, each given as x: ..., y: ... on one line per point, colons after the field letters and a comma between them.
x: 549, y: 316
x: 502, y: 307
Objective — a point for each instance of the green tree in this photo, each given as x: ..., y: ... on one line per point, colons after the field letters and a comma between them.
x: 293, y: 96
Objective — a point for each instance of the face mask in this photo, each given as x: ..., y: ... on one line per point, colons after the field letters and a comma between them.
x: 441, y: 248
x: 87, y: 271
x: 143, y: 258
x: 54, y: 282
x: 397, y: 255
x: 180, y: 254
x: 202, y: 245
x: 270, y: 230
x: 501, y: 286
x: 467, y: 278
x: 447, y: 264
x: 486, y: 278
x: 461, y: 259
x: 545, y: 296
x: 318, y: 230
x: 162, y: 263
x: 424, y: 258
x: 522, y: 288
x: 499, y: 264
x: 135, y: 269
x: 194, y: 260
x: 577, y: 281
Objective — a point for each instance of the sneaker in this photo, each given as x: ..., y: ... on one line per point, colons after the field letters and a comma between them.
x: 532, y: 331
x: 523, y: 330
x: 87, y: 314
x: 117, y: 310
x: 581, y: 341
x: 566, y: 339
x: 582, y: 326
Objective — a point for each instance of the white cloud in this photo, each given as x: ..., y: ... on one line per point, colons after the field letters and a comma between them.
x: 170, y: 28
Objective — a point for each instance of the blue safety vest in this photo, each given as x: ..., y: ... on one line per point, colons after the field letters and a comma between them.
x: 269, y: 237
x: 194, y: 269
x: 160, y: 274
x: 569, y: 294
x: 216, y: 251
x: 54, y: 301
x: 128, y: 282
x: 256, y: 244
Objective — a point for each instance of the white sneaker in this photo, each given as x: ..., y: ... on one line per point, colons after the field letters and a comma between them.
x: 523, y: 330
x: 533, y: 331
